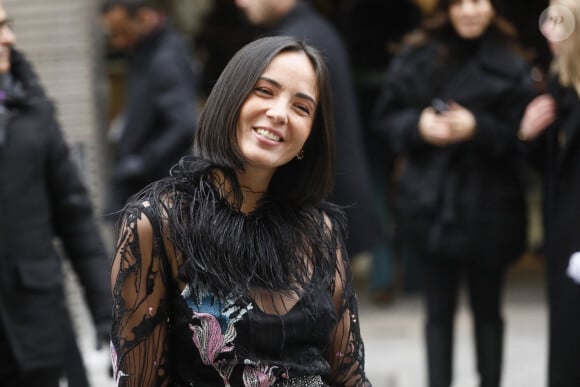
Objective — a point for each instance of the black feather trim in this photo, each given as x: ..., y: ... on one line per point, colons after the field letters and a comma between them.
x: 278, y: 247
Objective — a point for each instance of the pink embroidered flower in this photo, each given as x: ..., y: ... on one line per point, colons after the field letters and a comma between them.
x: 208, y: 337
x: 259, y: 376
x: 213, y: 327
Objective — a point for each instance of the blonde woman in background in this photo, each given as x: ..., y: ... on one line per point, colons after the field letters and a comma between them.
x: 552, y: 120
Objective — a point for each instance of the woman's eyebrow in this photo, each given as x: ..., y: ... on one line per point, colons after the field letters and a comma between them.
x: 278, y: 85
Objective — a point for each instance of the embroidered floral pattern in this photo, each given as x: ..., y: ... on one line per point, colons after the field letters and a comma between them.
x: 149, y: 319
x: 209, y: 339
x: 258, y: 375
x: 215, y: 332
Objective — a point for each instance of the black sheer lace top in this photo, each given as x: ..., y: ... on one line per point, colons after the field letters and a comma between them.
x: 205, y: 295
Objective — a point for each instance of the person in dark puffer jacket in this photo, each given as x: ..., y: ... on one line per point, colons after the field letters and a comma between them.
x: 42, y: 199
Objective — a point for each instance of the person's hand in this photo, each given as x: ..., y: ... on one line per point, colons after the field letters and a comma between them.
x: 461, y: 122
x: 539, y: 114
x: 433, y: 128
x: 450, y: 127
x: 103, y: 334
x: 573, y: 270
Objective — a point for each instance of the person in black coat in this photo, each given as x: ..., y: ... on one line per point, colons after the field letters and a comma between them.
x: 450, y: 109
x: 353, y: 186
x: 42, y: 198
x: 553, y: 121
x: 159, y: 119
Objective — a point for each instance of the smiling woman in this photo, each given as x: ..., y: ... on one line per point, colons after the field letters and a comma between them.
x: 276, y: 118
x: 471, y: 18
x: 232, y: 271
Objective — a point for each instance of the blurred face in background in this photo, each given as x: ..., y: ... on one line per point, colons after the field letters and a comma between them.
x: 263, y: 12
x: 7, y: 40
x: 471, y: 18
x: 124, y: 30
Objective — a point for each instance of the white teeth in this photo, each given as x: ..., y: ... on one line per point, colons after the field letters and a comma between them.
x: 268, y: 135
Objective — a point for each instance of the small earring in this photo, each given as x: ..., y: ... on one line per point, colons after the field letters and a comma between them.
x: 300, y: 154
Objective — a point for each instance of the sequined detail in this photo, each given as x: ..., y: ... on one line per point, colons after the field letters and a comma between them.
x: 302, y: 381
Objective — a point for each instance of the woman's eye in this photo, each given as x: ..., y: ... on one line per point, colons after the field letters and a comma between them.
x: 304, y: 109
x: 262, y: 90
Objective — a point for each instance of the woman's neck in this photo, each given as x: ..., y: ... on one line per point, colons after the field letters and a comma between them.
x: 254, y: 185
x: 462, y: 48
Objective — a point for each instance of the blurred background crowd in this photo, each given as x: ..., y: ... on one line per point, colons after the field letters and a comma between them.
x: 88, y: 76
x: 100, y: 91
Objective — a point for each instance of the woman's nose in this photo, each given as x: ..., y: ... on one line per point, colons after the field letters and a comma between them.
x: 278, y: 113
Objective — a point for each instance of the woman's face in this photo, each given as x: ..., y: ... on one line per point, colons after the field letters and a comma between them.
x: 277, y: 116
x: 471, y: 18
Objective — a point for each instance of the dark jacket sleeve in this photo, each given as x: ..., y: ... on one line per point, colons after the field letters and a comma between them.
x: 395, y: 116
x: 496, y: 129
x: 76, y: 226
x: 502, y: 88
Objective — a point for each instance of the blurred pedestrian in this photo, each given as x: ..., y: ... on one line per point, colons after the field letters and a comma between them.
x: 220, y: 34
x: 354, y: 187
x: 450, y: 109
x: 553, y: 121
x: 159, y: 117
x: 233, y: 270
x: 42, y: 198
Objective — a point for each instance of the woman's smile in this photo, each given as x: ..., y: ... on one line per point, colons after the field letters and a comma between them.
x: 277, y: 116
x: 268, y: 134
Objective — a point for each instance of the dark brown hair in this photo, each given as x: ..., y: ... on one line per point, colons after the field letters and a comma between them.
x: 305, y: 181
x: 439, y: 25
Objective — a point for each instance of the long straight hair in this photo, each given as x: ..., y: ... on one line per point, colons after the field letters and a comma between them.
x: 306, y: 181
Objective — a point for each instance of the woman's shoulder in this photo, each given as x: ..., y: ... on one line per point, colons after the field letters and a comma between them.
x: 331, y: 209
x: 415, y: 60
x: 138, y: 213
x: 185, y: 183
x: 334, y: 217
x: 415, y: 51
x: 503, y: 58
x: 184, y: 178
